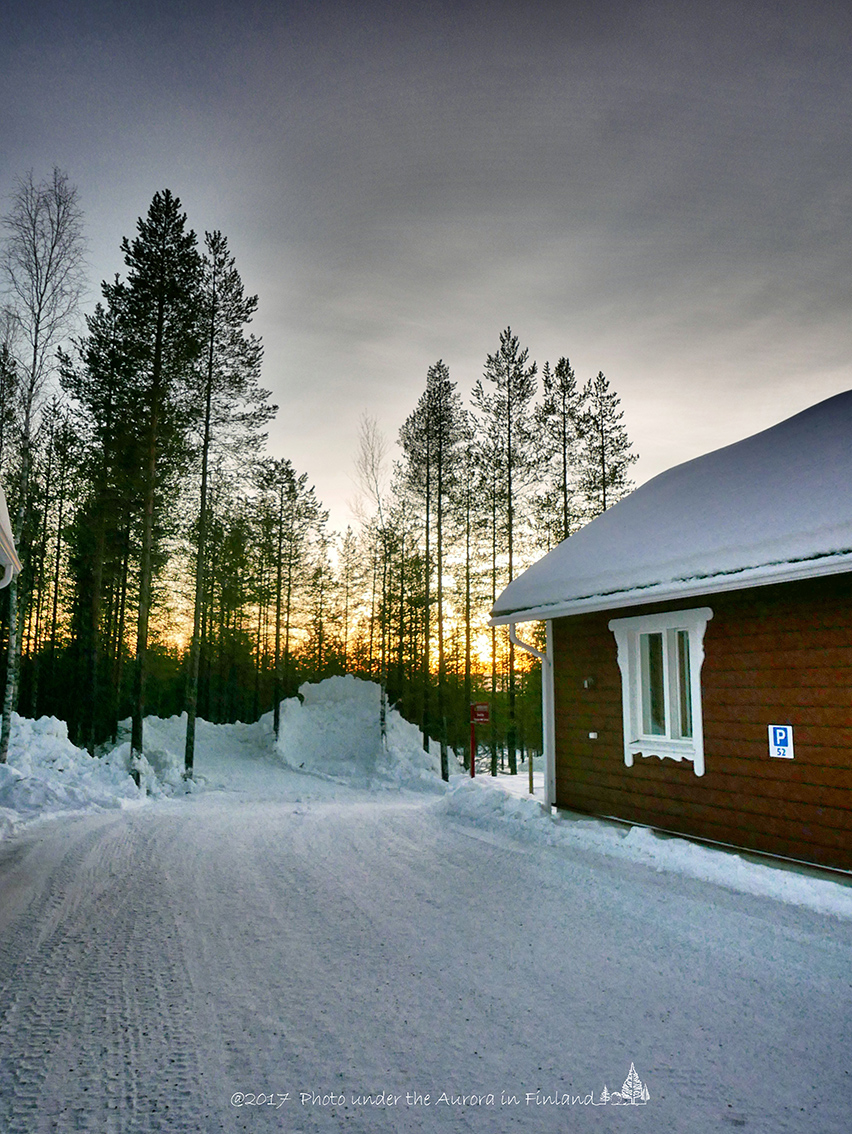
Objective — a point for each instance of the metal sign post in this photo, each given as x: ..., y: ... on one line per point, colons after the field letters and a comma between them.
x: 479, y: 714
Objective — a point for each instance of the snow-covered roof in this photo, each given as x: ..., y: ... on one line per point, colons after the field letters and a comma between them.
x: 772, y: 508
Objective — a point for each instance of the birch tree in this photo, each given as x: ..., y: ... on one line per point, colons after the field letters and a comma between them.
x: 42, y: 274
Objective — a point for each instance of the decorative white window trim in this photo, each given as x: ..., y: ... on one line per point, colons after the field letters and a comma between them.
x: 661, y: 684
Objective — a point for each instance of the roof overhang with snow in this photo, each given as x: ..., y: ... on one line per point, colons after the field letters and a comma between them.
x: 774, y: 508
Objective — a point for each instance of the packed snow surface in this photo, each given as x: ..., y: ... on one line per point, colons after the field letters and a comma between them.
x: 751, y: 513
x: 359, y: 947
x: 337, y: 961
x: 331, y: 735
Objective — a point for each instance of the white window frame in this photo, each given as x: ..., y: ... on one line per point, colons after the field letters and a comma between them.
x: 628, y: 632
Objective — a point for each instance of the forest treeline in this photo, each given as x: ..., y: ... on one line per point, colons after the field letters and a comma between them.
x: 171, y: 564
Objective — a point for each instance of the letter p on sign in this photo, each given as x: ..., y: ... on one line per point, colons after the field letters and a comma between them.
x: 781, y: 741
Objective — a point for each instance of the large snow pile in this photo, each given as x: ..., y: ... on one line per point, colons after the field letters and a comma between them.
x: 45, y: 773
x: 331, y: 731
x: 225, y: 754
x: 483, y: 802
x: 334, y: 729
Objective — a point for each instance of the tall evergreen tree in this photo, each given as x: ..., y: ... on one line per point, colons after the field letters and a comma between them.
x: 557, y: 419
x: 297, y: 514
x: 322, y: 644
x: 465, y: 506
x: 606, y: 452
x: 101, y: 379
x: 164, y: 300
x: 235, y: 409
x: 430, y: 441
x: 504, y: 407
x: 9, y: 389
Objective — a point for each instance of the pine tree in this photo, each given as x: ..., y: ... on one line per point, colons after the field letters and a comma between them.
x: 101, y: 379
x: 9, y: 388
x: 235, y: 410
x: 557, y: 420
x: 505, y: 412
x: 606, y: 454
x: 322, y: 646
x: 67, y: 447
x: 464, y: 503
x: 164, y: 301
x: 297, y: 514
x: 54, y: 450
x: 430, y: 441
x: 632, y: 1088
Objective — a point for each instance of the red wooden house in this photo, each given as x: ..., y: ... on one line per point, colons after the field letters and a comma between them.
x: 698, y: 676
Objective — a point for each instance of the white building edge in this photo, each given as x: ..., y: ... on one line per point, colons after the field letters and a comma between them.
x: 8, y: 555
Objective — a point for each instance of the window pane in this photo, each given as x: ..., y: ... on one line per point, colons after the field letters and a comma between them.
x: 684, y: 683
x: 653, y: 685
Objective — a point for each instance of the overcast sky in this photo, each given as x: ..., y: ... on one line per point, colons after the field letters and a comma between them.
x: 659, y: 191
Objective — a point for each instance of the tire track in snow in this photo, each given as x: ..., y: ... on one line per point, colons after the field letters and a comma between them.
x: 96, y: 1028
x: 154, y: 962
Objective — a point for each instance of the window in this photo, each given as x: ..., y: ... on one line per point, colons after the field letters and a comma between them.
x: 660, y: 658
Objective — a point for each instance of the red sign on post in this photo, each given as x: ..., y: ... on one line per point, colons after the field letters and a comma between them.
x: 479, y: 714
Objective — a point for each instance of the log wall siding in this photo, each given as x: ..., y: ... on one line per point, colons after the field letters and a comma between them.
x: 773, y: 655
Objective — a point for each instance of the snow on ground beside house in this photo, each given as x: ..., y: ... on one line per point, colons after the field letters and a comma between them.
x: 330, y: 748
x: 503, y: 803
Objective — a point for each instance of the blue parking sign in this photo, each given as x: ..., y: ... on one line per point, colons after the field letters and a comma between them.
x: 781, y: 741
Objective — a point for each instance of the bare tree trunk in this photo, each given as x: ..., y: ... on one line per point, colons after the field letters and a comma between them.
x: 276, y: 681
x: 201, y: 551
x: 147, y: 559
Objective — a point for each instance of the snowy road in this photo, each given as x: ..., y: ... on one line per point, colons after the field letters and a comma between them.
x: 157, y: 962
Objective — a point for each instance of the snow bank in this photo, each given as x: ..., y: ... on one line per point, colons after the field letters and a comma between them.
x: 484, y: 803
x: 334, y: 729
x: 46, y: 774
x: 219, y: 750
x: 331, y: 731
